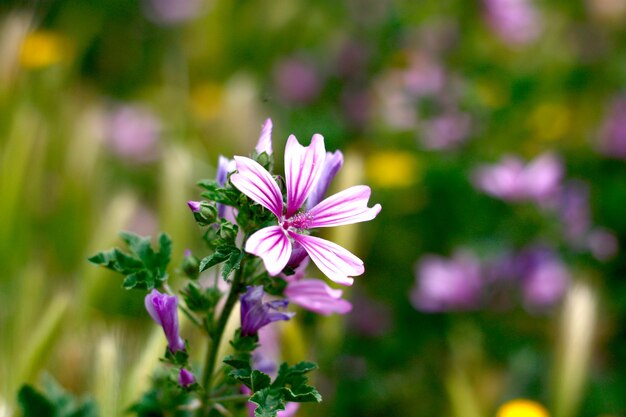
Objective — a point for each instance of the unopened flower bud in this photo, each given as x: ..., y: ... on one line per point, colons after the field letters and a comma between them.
x: 186, y: 378
x: 190, y: 265
x: 205, y: 213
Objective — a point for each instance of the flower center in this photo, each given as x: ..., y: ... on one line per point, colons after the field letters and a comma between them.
x: 297, y: 221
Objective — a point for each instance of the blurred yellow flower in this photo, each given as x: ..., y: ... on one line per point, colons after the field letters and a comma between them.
x: 43, y: 48
x: 392, y: 169
x: 206, y: 100
x: 549, y: 121
x: 522, y: 408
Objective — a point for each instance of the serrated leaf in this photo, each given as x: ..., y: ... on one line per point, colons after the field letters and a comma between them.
x: 244, y: 343
x: 199, y: 299
x: 302, y: 393
x: 233, y: 263
x: 242, y: 375
x: 259, y: 380
x: 238, y: 360
x: 268, y: 401
x: 143, y: 268
x: 165, y: 250
x: 140, y: 246
x: 54, y: 402
x: 222, y: 253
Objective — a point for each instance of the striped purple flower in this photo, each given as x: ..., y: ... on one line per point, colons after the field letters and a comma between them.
x: 255, y: 313
x: 163, y: 309
x: 304, y: 167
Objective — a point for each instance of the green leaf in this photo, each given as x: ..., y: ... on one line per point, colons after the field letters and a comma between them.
x: 142, y: 268
x: 202, y: 300
x: 259, y: 380
x: 293, y: 382
x: 244, y: 343
x: 55, y: 402
x: 34, y: 404
x: 221, y: 254
x: 238, y: 360
x: 268, y: 401
x: 233, y: 263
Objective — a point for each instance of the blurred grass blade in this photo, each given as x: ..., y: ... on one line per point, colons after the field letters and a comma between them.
x: 42, y: 339
x: 574, y: 343
x: 106, y: 377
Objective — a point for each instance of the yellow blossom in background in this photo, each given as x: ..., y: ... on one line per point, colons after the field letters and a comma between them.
x: 206, y: 100
x: 522, y: 408
x: 43, y: 48
x: 549, y: 121
x: 390, y: 169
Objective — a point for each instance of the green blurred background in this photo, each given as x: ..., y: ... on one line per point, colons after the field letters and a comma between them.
x: 110, y: 110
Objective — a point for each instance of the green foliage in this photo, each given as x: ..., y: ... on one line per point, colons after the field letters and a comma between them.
x: 201, y: 300
x: 55, y: 402
x: 290, y: 385
x: 143, y: 268
x: 215, y: 192
x: 165, y: 398
x: 231, y: 255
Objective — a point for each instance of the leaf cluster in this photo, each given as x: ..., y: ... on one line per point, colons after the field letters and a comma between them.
x: 165, y: 398
x: 290, y: 385
x: 143, y: 267
x: 54, y: 402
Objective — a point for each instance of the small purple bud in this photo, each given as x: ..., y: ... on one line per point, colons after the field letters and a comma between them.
x: 163, y: 309
x: 194, y: 206
x: 256, y: 314
x: 187, y: 252
x: 186, y: 378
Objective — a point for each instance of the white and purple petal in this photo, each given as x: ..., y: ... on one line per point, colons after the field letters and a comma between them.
x: 346, y: 207
x: 272, y: 246
x: 254, y: 181
x: 332, y: 164
x: 303, y: 167
x: 265, y: 140
x: 315, y: 295
x: 335, y: 262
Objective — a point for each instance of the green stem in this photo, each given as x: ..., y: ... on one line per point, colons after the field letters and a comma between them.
x: 211, y: 356
x: 234, y: 397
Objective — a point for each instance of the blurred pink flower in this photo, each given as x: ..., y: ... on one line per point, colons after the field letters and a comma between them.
x: 171, y: 12
x: 612, y: 137
x: 315, y: 295
x: 516, y: 22
x: 274, y: 244
x: 447, y: 131
x: 297, y: 81
x: 544, y: 278
x: 602, y: 243
x: 511, y: 180
x: 132, y: 132
x: 448, y: 284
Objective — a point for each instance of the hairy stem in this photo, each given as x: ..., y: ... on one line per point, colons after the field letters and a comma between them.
x: 216, y: 336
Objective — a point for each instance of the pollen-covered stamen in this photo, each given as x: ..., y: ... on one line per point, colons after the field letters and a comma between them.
x: 299, y: 221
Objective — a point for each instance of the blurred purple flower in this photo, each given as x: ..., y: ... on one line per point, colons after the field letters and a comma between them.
x: 544, y: 278
x: 186, y: 378
x: 511, y: 180
x: 446, y: 131
x: 447, y: 284
x: 602, y: 243
x: 424, y: 76
x: 612, y: 138
x: 574, y: 211
x: 516, y: 22
x: 370, y: 317
x: 256, y: 314
x: 356, y: 104
x: 297, y: 81
x: 315, y: 295
x: 163, y: 309
x: 171, y: 12
x: 133, y: 133
x: 352, y: 58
